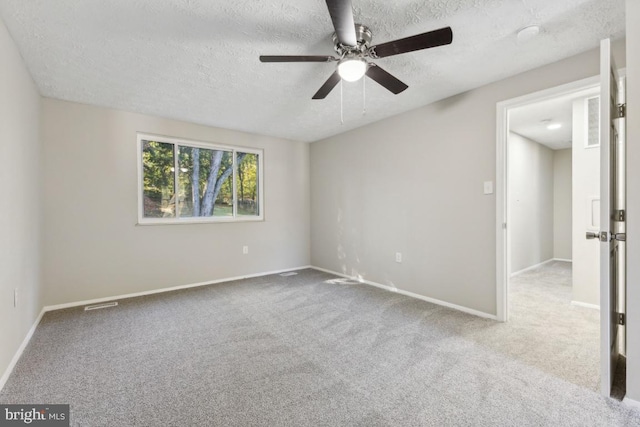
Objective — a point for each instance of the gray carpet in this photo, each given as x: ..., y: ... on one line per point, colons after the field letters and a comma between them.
x: 546, y: 331
x: 309, y: 349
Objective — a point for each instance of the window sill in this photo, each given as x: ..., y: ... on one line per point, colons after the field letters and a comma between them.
x: 200, y: 221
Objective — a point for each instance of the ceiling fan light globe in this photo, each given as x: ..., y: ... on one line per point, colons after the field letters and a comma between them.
x: 352, y: 69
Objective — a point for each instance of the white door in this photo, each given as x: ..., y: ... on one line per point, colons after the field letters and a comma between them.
x: 612, y: 217
x: 586, y: 199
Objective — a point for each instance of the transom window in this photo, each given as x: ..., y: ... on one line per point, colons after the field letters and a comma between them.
x: 184, y: 181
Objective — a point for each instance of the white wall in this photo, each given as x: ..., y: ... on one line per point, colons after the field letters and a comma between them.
x: 530, y: 199
x: 93, y: 247
x: 633, y: 200
x: 20, y: 205
x: 562, y: 184
x: 413, y: 183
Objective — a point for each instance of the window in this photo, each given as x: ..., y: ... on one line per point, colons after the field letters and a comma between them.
x: 593, y: 122
x: 187, y: 181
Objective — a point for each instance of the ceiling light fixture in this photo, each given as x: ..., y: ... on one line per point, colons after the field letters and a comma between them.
x: 352, y: 69
x: 554, y: 126
x: 528, y: 33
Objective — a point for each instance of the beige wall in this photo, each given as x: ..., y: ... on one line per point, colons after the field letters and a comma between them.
x: 633, y: 200
x: 93, y: 247
x: 413, y: 183
x: 20, y: 208
x: 562, y: 204
x: 531, y: 195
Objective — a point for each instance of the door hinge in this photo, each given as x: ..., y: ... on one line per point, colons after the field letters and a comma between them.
x: 620, y: 237
x: 621, y: 111
x: 619, y: 215
x: 504, y: 225
x: 621, y: 319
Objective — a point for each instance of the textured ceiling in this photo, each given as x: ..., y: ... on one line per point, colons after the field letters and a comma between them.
x: 197, y: 60
x: 531, y: 120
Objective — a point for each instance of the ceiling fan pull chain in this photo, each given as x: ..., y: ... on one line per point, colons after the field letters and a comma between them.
x: 364, y: 96
x: 341, y: 105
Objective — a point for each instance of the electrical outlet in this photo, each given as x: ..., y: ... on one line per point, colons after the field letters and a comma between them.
x: 245, y: 250
x: 398, y: 257
x: 15, y: 297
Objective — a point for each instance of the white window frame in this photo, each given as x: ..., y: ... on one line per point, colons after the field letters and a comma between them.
x: 209, y: 146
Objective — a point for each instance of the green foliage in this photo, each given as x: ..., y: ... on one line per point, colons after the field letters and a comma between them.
x: 247, y: 185
x: 194, y: 181
x: 157, y: 160
x: 247, y: 177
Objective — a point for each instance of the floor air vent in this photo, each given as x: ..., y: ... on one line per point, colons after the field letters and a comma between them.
x: 290, y: 273
x: 99, y: 306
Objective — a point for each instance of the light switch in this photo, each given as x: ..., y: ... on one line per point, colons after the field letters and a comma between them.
x: 488, y: 187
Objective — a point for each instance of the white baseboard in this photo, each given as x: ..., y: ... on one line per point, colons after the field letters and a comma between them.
x: 562, y: 260
x: 532, y: 267
x: 585, y: 305
x: 411, y: 294
x: 162, y: 290
x: 16, y: 357
x: 47, y: 308
x: 631, y: 402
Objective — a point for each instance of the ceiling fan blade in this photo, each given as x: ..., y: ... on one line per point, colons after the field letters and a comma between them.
x: 385, y: 79
x: 342, y: 17
x: 327, y: 86
x: 296, y: 58
x: 409, y: 44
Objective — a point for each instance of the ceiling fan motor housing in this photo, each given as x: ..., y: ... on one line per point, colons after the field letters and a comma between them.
x: 363, y: 36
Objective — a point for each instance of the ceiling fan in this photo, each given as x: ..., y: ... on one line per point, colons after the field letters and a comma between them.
x: 351, y: 43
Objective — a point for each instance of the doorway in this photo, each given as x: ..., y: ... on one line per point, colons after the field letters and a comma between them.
x: 553, y: 186
x: 606, y: 209
x: 505, y: 267
x: 551, y: 198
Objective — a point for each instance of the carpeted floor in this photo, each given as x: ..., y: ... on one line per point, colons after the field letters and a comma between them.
x: 546, y: 331
x: 310, y: 349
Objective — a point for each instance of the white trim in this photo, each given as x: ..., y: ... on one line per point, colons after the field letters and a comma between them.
x: 200, y: 220
x: 502, y: 267
x: 540, y: 264
x: 210, y: 145
x: 563, y: 260
x: 16, y: 357
x: 411, y: 294
x: 630, y: 402
x: 502, y: 129
x: 585, y: 305
x: 162, y: 290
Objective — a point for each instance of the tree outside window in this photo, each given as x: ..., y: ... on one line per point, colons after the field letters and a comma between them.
x: 196, y: 182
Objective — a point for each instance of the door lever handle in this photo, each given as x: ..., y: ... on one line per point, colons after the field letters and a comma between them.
x: 603, y: 236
